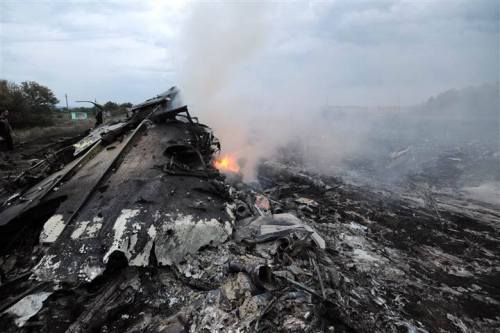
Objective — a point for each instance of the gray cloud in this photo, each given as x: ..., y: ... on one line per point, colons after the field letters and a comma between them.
x: 109, y: 50
x: 362, y: 52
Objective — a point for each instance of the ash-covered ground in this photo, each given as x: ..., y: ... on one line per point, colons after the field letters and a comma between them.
x: 140, y: 235
x: 392, y: 262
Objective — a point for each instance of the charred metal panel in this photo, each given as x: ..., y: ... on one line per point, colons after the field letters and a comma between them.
x: 78, y: 189
x: 95, y: 136
x: 137, y: 206
x: 164, y: 98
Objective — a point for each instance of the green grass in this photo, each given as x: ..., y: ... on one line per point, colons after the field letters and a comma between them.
x: 46, y: 133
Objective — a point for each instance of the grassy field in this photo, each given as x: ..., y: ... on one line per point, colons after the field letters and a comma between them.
x: 43, y: 134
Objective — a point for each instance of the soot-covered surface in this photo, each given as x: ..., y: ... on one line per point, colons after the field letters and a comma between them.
x: 392, y: 263
x: 140, y: 233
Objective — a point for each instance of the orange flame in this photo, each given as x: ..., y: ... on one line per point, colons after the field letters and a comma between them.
x: 227, y: 164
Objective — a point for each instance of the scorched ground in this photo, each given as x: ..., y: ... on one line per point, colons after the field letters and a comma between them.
x: 133, y: 229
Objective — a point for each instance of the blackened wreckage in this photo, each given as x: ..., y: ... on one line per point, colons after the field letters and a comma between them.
x: 131, y: 229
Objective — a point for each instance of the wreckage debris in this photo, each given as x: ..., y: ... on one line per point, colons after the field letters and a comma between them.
x: 185, y: 235
x: 273, y: 227
x: 27, y: 307
x: 149, y: 236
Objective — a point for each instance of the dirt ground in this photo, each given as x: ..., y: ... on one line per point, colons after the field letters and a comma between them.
x: 415, y: 260
x: 32, y: 145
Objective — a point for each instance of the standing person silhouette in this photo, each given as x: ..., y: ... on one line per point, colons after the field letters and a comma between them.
x: 6, y: 130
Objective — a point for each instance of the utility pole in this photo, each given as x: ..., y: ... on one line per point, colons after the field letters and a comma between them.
x: 66, y: 96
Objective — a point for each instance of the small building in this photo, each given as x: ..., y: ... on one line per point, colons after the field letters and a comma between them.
x: 76, y: 115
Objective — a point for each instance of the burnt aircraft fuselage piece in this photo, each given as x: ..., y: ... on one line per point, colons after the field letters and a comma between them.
x: 133, y: 190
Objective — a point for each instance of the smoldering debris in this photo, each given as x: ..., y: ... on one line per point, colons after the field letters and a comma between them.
x: 146, y: 238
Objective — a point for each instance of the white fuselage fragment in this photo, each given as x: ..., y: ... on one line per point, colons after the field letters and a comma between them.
x: 120, y: 239
x: 187, y: 235
x: 87, y: 229
x: 27, y: 307
x: 52, y: 229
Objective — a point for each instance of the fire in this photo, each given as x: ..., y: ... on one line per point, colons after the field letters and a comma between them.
x: 227, y: 164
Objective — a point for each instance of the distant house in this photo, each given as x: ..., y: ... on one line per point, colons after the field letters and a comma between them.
x: 76, y: 115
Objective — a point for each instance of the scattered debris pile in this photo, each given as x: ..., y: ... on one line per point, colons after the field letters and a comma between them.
x: 140, y: 233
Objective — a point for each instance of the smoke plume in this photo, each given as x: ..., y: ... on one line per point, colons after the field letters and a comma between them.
x: 268, y: 86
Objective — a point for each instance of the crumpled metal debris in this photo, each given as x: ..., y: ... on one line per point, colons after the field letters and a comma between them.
x: 275, y: 226
x: 152, y: 249
x: 262, y: 205
x: 27, y: 307
x: 186, y: 235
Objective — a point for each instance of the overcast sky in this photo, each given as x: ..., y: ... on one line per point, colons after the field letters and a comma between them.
x: 348, y: 52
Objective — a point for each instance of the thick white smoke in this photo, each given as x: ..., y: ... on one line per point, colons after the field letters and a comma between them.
x: 217, y: 42
x: 262, y: 76
x: 253, y: 104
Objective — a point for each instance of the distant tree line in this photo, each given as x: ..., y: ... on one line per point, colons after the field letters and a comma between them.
x: 32, y: 104
x: 116, y: 109
x: 29, y: 103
